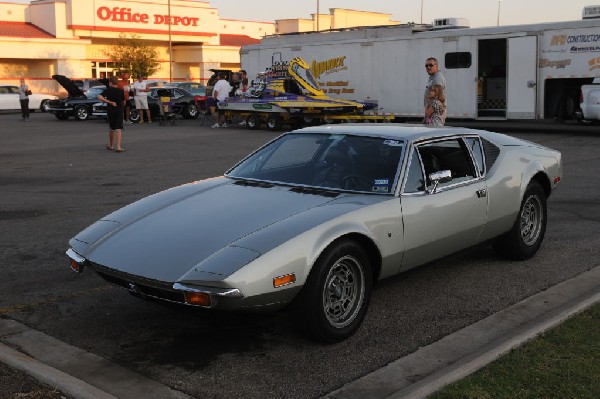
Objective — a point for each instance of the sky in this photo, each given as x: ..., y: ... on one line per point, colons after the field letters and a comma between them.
x: 478, y: 12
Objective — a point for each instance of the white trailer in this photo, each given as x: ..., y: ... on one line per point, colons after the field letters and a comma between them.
x: 513, y: 72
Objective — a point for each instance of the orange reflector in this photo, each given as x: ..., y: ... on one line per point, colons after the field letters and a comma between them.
x: 78, y: 267
x: 284, y: 280
x: 197, y: 298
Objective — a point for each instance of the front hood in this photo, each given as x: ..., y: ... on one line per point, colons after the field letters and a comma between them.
x: 164, y: 236
x: 69, y: 86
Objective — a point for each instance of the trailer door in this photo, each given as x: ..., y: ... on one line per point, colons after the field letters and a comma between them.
x: 522, y: 77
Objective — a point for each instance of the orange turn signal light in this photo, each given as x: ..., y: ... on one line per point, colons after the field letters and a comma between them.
x: 197, y: 298
x: 78, y: 267
x: 284, y: 280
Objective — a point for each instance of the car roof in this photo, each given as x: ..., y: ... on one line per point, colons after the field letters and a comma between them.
x: 407, y: 132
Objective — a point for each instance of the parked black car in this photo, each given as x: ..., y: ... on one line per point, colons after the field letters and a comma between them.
x: 182, y: 101
x: 77, y: 104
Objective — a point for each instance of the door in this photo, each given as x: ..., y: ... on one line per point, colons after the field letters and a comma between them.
x: 522, y: 77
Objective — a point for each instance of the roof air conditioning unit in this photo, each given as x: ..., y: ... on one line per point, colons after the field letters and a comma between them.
x: 590, y: 12
x: 451, y: 23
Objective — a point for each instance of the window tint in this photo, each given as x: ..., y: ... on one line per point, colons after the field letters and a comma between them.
x: 457, y: 60
x: 414, y: 180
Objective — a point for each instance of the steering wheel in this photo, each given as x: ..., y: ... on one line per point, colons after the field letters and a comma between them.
x: 356, y: 182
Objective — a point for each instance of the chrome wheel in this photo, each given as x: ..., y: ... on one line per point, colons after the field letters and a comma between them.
x: 531, y: 220
x: 343, y: 291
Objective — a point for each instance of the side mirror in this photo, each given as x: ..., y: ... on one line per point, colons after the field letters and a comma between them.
x: 443, y: 176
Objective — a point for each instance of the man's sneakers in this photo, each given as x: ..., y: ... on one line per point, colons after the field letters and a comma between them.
x: 216, y: 126
x: 224, y: 125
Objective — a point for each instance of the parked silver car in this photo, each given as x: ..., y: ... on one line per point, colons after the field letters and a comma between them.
x: 312, y: 219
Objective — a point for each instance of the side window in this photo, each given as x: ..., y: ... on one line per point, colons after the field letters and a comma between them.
x: 452, y: 155
x: 474, y: 144
x: 414, y: 180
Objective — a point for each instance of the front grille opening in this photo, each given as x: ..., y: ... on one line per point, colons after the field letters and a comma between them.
x: 144, y: 289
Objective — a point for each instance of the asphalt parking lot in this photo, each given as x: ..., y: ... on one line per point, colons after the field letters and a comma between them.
x: 56, y: 177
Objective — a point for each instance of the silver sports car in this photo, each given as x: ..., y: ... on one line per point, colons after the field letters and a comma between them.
x: 312, y: 219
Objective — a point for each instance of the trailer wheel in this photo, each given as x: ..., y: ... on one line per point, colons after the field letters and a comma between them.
x: 253, y: 122
x: 274, y: 122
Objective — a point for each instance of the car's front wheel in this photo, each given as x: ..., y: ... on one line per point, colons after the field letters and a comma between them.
x: 60, y: 115
x: 334, y: 300
x: 82, y: 112
x: 527, y: 234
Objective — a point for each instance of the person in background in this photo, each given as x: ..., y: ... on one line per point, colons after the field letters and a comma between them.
x: 435, y: 78
x: 114, y: 97
x: 141, y: 98
x: 435, y: 108
x: 244, y: 85
x: 220, y: 92
x: 124, y: 85
x: 24, y: 100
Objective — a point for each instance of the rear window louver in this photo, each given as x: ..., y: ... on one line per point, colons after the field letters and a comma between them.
x: 491, y: 152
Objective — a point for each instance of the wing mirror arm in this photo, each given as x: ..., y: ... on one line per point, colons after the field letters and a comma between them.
x: 436, y: 178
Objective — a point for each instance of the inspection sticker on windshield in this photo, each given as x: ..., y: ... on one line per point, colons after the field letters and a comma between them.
x: 393, y: 143
x: 381, y: 186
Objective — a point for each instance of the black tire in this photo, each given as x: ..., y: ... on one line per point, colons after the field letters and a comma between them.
x: 527, y: 234
x: 191, y: 111
x: 82, y: 112
x: 63, y: 116
x: 274, y: 123
x: 335, y: 298
x: 44, y: 106
x: 253, y: 122
x: 134, y: 115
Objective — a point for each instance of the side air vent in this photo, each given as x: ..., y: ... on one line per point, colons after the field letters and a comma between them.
x: 491, y: 152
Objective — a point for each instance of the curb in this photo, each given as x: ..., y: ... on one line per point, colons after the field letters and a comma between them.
x: 467, y: 350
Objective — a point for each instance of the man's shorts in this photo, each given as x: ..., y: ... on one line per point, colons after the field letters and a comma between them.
x: 141, y: 102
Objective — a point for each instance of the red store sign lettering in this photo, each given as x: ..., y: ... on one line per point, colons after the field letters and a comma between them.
x: 123, y: 14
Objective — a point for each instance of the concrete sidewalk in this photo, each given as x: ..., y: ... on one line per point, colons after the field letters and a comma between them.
x: 81, y: 374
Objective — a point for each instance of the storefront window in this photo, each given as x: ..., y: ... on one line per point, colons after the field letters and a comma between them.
x: 101, y: 69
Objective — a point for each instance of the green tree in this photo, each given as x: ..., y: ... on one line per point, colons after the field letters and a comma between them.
x: 133, y: 55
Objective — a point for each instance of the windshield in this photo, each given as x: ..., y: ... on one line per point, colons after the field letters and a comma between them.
x: 94, y: 92
x: 330, y: 161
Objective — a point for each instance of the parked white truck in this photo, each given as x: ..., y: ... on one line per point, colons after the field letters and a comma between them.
x: 590, y: 102
x: 513, y: 72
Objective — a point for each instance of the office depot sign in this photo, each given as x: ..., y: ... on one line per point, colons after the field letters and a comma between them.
x: 124, y: 14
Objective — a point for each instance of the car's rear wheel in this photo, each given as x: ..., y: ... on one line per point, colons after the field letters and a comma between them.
x: 191, y: 112
x: 527, y: 234
x: 82, y: 112
x: 44, y: 106
x: 335, y: 298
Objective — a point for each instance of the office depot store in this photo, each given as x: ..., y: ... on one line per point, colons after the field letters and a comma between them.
x: 69, y: 37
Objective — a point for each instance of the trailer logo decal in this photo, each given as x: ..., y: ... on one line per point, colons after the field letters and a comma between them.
x: 558, y: 64
x: 328, y: 66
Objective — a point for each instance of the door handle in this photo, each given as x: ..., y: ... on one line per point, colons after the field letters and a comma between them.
x: 482, y: 193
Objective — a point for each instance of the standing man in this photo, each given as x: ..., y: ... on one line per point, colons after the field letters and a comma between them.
x: 114, y: 97
x: 220, y: 93
x: 435, y: 78
x: 124, y: 85
x: 24, y: 100
x: 141, y: 98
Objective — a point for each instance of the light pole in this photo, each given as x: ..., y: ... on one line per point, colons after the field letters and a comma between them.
x: 498, y: 18
x: 421, y: 12
x: 170, y: 47
x: 317, y: 15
